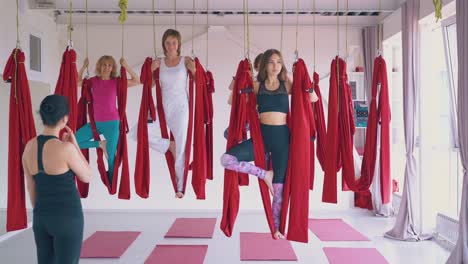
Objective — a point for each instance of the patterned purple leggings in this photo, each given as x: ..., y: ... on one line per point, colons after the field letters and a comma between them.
x: 277, y: 204
x: 230, y: 162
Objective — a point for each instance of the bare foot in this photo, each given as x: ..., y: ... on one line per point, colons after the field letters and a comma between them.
x: 103, y: 146
x: 179, y: 195
x: 278, y: 235
x: 269, y: 180
x: 172, y: 148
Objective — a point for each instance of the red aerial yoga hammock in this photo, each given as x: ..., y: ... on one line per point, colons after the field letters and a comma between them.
x: 236, y: 130
x: 199, y: 165
x: 340, y: 138
x: 20, y: 130
x: 209, y: 123
x: 67, y: 84
x: 147, y: 112
x: 302, y: 126
x: 296, y: 186
x: 85, y: 109
x: 379, y: 113
x: 339, y: 132
x: 321, y: 132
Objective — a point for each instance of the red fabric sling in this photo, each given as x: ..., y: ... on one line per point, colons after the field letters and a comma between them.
x: 209, y: 123
x: 379, y: 112
x: 319, y: 123
x: 85, y: 108
x: 147, y: 110
x: 340, y: 137
x: 346, y: 123
x: 300, y: 171
x: 67, y: 84
x: 199, y: 165
x: 296, y: 190
x: 339, y: 133
x: 329, y: 194
x: 237, y: 120
x: 385, y: 118
x: 82, y: 119
x: 197, y: 110
x: 240, y: 111
x: 122, y: 147
x: 20, y: 130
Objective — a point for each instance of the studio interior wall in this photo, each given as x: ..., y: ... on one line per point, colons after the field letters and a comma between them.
x: 226, y: 49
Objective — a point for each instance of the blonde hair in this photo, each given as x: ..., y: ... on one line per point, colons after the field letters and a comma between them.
x: 102, y: 60
x: 172, y: 33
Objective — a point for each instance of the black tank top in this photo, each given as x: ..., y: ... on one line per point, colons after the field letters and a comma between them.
x: 273, y: 101
x: 54, y: 193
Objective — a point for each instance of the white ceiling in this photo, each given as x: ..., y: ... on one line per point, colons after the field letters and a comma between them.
x: 140, y: 7
x: 225, y: 4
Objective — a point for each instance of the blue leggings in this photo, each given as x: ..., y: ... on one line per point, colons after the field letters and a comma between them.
x: 110, y: 130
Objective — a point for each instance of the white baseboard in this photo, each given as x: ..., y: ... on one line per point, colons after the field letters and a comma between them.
x: 11, y: 234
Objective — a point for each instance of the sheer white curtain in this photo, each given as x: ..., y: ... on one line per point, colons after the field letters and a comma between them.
x: 408, y: 222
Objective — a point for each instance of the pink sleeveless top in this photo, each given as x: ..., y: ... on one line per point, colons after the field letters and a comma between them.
x: 105, y: 99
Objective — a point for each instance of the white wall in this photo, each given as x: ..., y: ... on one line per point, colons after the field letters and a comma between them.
x: 36, y: 23
x: 226, y: 49
x: 392, y: 24
x: 31, y: 22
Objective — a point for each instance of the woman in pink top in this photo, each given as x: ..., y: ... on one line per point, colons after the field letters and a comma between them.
x: 106, y: 115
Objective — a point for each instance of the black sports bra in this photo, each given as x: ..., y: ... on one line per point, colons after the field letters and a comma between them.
x: 273, y: 101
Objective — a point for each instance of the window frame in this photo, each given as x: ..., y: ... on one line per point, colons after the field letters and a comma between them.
x: 453, y: 86
x: 445, y: 24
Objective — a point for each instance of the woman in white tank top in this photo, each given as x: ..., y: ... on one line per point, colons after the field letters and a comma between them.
x: 174, y: 87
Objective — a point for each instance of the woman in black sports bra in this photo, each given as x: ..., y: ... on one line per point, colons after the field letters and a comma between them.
x: 272, y: 88
x: 50, y: 166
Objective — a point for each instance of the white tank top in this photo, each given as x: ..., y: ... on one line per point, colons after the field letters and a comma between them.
x: 173, y: 80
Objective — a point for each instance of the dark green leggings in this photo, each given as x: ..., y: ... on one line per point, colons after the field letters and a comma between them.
x: 276, y: 141
x: 58, y: 237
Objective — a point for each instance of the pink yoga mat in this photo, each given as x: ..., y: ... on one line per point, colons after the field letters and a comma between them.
x: 192, y: 228
x: 335, y: 230
x: 178, y: 254
x: 104, y: 244
x: 261, y: 246
x: 354, y: 256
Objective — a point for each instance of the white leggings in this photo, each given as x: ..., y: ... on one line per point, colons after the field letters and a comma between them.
x: 177, y: 121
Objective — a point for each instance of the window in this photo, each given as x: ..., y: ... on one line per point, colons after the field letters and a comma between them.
x: 35, y: 53
x: 393, y: 57
x: 440, y: 165
x: 449, y: 33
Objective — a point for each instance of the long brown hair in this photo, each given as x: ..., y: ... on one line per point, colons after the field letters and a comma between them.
x: 172, y: 33
x: 262, y: 70
x: 102, y: 60
x: 257, y: 61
